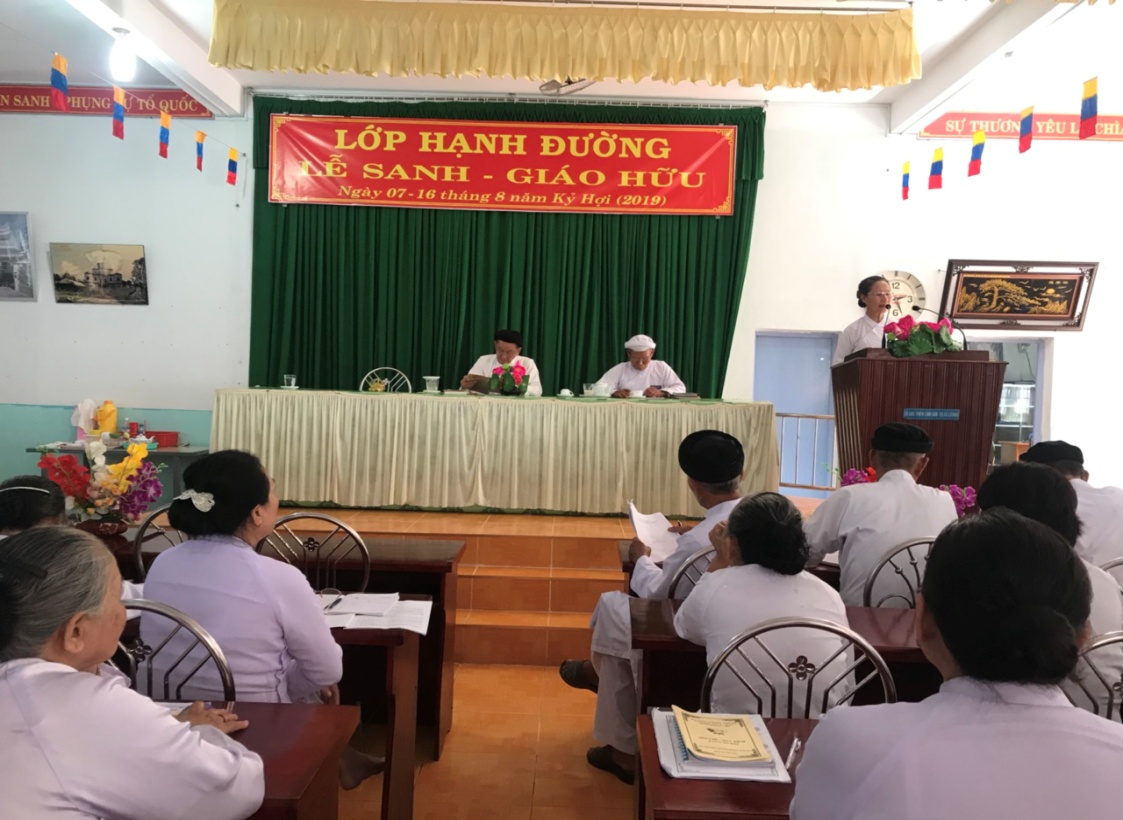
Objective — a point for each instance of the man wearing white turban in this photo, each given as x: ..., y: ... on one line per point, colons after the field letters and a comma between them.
x: 643, y: 372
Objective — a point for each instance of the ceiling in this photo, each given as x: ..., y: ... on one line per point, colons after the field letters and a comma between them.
x: 963, y: 45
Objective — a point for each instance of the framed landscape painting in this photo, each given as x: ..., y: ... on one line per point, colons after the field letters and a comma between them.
x: 99, y: 274
x: 17, y: 281
x: 998, y: 295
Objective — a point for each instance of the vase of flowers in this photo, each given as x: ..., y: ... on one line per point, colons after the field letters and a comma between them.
x: 855, y: 476
x: 964, y: 497
x: 908, y: 337
x: 509, y: 380
x: 109, y: 496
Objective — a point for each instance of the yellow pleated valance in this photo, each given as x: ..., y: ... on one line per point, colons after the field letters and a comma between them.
x: 828, y: 51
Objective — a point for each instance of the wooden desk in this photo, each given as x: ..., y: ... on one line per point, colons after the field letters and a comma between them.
x: 828, y: 573
x: 400, y: 687
x: 660, y: 797
x: 672, y: 668
x: 300, y: 745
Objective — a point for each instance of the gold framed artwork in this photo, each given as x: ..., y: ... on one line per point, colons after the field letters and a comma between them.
x: 1001, y: 295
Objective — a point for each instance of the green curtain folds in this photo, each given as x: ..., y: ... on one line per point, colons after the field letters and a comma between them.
x: 339, y: 290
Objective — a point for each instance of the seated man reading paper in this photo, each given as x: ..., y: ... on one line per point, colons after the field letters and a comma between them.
x: 508, y: 351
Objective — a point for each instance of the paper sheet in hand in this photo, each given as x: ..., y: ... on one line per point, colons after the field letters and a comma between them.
x: 677, y: 761
x: 653, y: 529
x: 363, y: 604
x: 411, y: 615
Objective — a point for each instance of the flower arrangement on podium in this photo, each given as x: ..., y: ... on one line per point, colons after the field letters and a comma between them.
x: 106, y: 493
x: 509, y: 380
x: 908, y: 337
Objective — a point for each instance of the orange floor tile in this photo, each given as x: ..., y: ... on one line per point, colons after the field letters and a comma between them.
x: 516, y: 750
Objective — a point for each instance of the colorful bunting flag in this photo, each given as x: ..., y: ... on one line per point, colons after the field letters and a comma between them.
x: 199, y: 137
x: 936, y: 175
x: 1025, y: 136
x: 905, y: 182
x: 232, y: 167
x: 165, y: 132
x: 1089, y: 109
x: 978, y: 143
x: 118, y: 112
x: 60, y: 91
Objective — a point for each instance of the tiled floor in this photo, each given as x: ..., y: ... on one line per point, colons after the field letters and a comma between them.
x: 516, y: 752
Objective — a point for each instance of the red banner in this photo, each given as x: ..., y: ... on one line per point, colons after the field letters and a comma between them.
x: 502, y: 166
x: 139, y: 102
x: 963, y: 124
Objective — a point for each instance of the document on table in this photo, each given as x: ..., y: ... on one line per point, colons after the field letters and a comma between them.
x: 358, y: 603
x: 653, y: 529
x: 678, y: 761
x: 410, y: 615
x: 339, y: 620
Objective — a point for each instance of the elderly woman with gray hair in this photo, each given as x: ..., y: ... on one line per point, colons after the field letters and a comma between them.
x: 77, y: 744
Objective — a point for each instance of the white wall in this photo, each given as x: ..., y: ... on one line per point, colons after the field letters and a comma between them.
x: 829, y: 213
x: 79, y: 184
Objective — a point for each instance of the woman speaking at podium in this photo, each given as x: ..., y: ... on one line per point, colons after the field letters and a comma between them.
x: 875, y: 295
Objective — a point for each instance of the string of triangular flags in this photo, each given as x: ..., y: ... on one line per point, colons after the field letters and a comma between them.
x: 60, y: 101
x: 1089, y: 114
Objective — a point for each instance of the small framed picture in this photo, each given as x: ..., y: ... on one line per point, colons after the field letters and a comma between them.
x: 99, y: 274
x: 998, y: 295
x: 17, y: 280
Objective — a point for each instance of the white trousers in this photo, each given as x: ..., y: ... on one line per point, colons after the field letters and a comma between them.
x: 617, y: 666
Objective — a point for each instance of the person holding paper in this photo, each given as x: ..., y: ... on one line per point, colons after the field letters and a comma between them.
x: 757, y: 576
x: 654, y: 379
x: 508, y: 351
x: 75, y: 743
x: 261, y: 611
x: 1003, y: 615
x: 713, y: 462
x: 862, y: 522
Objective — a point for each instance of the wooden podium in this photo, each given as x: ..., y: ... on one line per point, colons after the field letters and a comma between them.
x: 953, y: 396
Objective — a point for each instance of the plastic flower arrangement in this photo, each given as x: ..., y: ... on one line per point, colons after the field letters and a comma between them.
x: 509, y: 380
x: 854, y: 476
x: 108, y: 492
x: 908, y: 337
x: 964, y: 497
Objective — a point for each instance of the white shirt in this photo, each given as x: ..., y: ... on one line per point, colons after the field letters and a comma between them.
x: 261, y: 611
x: 863, y: 332
x: 728, y: 601
x: 1106, y: 616
x: 657, y: 374
x: 973, y: 751
x: 77, y: 745
x: 865, y: 521
x: 1101, y: 514
x: 486, y: 364
x: 649, y: 581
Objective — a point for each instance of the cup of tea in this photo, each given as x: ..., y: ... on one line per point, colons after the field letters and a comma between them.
x: 587, y: 390
x: 431, y: 383
x: 566, y: 392
x: 289, y: 381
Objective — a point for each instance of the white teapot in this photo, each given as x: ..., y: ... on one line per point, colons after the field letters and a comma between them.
x: 602, y: 390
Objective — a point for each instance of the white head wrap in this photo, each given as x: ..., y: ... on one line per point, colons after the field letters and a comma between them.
x: 203, y: 501
x: 640, y: 342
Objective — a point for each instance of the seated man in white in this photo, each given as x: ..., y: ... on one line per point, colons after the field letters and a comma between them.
x: 508, y: 351
x: 1100, y: 508
x: 1002, y: 615
x: 865, y: 521
x: 642, y: 372
x: 713, y: 462
x: 758, y: 576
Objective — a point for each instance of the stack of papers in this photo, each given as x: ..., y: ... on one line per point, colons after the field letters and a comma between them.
x: 359, y: 603
x: 717, y: 747
x: 654, y: 530
x: 378, y: 612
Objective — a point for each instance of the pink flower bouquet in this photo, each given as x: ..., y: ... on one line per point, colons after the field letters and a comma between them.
x: 908, y: 337
x: 509, y: 380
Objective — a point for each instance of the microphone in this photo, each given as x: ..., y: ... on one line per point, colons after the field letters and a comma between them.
x: 918, y: 309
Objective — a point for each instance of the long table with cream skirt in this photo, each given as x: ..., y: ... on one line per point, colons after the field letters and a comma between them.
x: 435, y: 451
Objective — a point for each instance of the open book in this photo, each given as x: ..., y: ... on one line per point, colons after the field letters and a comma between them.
x: 653, y: 529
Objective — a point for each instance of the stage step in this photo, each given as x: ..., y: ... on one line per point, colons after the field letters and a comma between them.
x: 520, y: 638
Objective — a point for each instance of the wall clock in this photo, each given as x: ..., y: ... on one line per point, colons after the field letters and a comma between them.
x: 907, y: 292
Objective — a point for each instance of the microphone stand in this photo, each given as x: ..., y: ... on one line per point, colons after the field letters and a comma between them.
x: 918, y: 309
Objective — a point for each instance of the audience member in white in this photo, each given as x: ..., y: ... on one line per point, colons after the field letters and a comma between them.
x: 757, y: 576
x: 76, y: 744
x: 875, y: 296
x: 1003, y: 614
x: 1044, y: 495
x: 865, y: 521
x: 260, y: 610
x: 1100, y: 508
x: 28, y: 501
x: 508, y: 350
x: 642, y: 372
x: 713, y: 462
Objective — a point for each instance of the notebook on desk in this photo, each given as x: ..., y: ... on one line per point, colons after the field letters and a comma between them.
x: 677, y: 761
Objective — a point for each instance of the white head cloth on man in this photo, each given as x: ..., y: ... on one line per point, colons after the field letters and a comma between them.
x: 640, y: 342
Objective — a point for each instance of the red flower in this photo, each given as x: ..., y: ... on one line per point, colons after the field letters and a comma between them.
x: 871, y: 475
x: 73, y: 478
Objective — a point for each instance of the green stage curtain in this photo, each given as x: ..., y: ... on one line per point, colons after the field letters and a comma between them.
x: 339, y: 290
